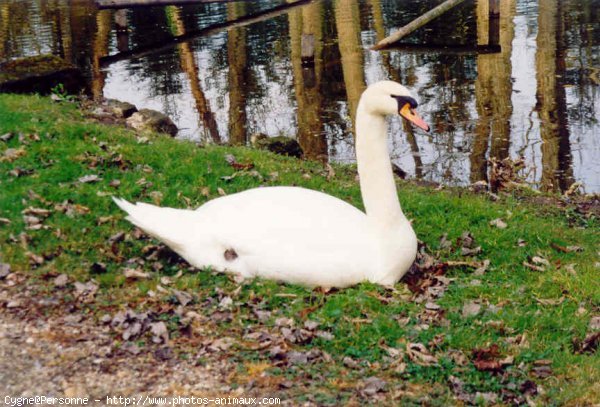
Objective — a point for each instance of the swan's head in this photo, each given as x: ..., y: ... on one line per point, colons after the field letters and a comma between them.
x: 387, y: 98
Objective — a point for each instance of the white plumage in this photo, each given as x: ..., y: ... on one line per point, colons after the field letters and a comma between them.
x: 299, y: 235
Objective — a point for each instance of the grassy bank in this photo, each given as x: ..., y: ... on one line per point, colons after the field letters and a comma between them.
x: 506, y: 333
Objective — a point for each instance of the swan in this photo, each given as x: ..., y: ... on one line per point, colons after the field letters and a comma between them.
x: 302, y: 236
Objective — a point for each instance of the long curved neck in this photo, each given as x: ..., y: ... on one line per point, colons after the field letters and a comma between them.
x: 377, y: 184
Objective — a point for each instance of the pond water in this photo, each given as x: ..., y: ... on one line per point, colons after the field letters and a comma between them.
x: 526, y: 85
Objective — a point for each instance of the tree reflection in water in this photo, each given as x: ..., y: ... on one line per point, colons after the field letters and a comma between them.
x: 537, y: 97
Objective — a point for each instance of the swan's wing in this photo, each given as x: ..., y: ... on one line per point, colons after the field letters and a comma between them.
x: 284, y: 233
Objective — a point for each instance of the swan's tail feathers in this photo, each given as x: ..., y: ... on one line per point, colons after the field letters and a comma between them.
x: 165, y: 224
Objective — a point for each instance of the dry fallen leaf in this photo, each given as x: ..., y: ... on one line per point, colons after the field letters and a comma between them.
x: 567, y: 249
x: 444, y: 242
x: 159, y: 332
x: 61, y: 280
x: 499, y: 223
x: 11, y: 154
x: 589, y: 344
x: 156, y: 196
x: 488, y: 359
x: 85, y: 292
x: 135, y: 274
x: 89, y: 179
x: 471, y: 308
x: 373, y: 385
x: 419, y: 354
x: 6, y: 137
x: 549, y: 301
x: 540, y: 260
x: 533, y: 267
x: 595, y: 323
x: 182, y: 297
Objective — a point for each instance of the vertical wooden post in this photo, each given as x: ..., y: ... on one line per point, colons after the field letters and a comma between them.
x: 307, y: 46
x: 122, y: 30
x: 494, y: 23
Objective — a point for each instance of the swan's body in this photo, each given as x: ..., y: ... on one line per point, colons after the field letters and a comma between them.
x: 298, y: 235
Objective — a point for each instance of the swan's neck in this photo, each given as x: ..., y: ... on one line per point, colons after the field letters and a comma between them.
x: 377, y: 183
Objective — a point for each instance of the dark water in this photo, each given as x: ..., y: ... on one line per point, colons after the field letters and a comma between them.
x: 537, y: 97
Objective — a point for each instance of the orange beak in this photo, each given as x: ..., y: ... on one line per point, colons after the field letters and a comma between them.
x: 412, y: 116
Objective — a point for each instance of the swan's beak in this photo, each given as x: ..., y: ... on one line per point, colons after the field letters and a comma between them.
x: 409, y: 114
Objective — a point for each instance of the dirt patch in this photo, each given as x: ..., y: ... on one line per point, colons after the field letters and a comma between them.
x: 68, y: 354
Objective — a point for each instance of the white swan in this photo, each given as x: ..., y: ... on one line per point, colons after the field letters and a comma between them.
x: 298, y: 235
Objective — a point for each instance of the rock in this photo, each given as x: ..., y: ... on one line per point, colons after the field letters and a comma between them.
x: 121, y: 109
x: 151, y: 120
x: 40, y: 74
x: 160, y: 333
x: 4, y: 270
x: 61, y: 280
x: 279, y: 145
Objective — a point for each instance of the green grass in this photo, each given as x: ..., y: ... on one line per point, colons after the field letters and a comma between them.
x: 363, y: 319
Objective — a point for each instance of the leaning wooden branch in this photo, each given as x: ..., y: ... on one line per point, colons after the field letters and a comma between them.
x: 206, y: 31
x: 119, y: 4
x: 417, y: 23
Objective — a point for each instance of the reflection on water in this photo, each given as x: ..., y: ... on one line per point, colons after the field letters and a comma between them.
x: 300, y: 71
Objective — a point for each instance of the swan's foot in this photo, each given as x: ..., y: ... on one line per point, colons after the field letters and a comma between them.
x: 238, y: 278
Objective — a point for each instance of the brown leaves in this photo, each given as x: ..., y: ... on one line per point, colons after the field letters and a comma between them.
x: 159, y: 331
x: 372, y: 385
x: 34, y: 217
x: 85, y: 292
x: 590, y: 343
x: 61, y: 280
x: 467, y: 243
x: 91, y: 178
x: 566, y: 249
x: 489, y: 359
x: 542, y: 368
x: 426, y: 278
x: 6, y: 137
x: 418, y: 353
x: 133, y: 324
x: 12, y: 154
x: 183, y: 297
x: 230, y: 158
x: 504, y: 173
x: 71, y: 209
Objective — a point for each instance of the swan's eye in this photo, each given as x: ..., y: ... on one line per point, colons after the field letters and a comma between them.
x: 402, y: 100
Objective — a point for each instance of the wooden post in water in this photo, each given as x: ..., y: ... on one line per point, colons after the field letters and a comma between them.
x: 417, y: 23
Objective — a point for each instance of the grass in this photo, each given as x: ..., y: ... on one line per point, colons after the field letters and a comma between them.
x: 530, y: 315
